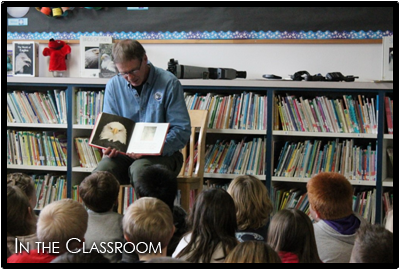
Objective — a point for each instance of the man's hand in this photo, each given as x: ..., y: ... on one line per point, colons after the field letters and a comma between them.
x: 110, y: 152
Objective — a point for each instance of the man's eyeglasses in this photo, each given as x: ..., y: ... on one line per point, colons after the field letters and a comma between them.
x: 134, y: 71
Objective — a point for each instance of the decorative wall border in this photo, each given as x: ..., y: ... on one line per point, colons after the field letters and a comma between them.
x: 229, y: 35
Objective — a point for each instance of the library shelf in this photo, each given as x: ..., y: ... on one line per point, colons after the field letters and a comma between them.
x: 270, y: 135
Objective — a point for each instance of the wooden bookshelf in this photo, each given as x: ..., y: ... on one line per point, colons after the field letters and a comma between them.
x: 75, y: 173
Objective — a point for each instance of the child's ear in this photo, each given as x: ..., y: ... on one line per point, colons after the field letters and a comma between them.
x: 126, y: 238
x: 30, y: 212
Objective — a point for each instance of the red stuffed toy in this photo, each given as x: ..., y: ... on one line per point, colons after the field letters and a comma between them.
x: 57, y: 51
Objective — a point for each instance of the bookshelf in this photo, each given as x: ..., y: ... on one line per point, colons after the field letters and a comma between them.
x: 271, y: 89
x: 377, y: 139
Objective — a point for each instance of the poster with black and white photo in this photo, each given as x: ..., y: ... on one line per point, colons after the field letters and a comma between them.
x: 387, y: 65
x: 24, y: 58
x: 90, y: 54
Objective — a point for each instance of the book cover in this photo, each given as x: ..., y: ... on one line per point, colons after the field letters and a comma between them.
x: 127, y: 136
x: 10, y: 71
x: 106, y: 61
x: 25, y: 59
x: 90, y: 54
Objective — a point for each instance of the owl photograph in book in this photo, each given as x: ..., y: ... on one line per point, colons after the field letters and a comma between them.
x: 114, y: 135
x: 23, y: 64
x: 92, y: 57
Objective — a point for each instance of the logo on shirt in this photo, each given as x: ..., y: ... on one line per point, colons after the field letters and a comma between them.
x: 157, y: 96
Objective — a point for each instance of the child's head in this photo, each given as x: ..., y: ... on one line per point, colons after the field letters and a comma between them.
x: 253, y: 206
x: 21, y: 220
x: 61, y: 221
x: 212, y: 211
x: 99, y: 191
x: 212, y: 221
x: 330, y: 196
x: 159, y: 182
x: 81, y: 257
x: 166, y: 260
x: 253, y: 252
x: 373, y: 244
x: 25, y: 183
x: 291, y: 230
x: 148, y: 220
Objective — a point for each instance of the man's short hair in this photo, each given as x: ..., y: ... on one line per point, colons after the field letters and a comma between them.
x: 373, y: 244
x: 331, y: 195
x: 159, y: 182
x: 127, y: 50
x: 99, y: 191
x: 60, y: 221
x: 150, y: 221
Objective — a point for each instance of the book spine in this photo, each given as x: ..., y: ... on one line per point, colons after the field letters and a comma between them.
x: 388, y: 115
x: 44, y: 107
x: 19, y: 108
x: 17, y: 117
x: 58, y: 106
x: 31, y: 110
x: 243, y: 116
x: 42, y: 116
x: 53, y: 107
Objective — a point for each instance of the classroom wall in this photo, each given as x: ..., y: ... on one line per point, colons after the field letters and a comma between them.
x: 363, y: 60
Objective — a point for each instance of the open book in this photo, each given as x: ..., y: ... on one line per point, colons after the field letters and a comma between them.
x: 127, y: 136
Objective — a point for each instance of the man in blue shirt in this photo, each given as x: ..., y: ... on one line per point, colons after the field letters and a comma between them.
x: 144, y: 93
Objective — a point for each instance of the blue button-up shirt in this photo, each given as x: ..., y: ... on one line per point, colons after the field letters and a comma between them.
x: 161, y: 101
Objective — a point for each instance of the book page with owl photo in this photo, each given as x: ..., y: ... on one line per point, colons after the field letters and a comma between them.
x: 127, y: 136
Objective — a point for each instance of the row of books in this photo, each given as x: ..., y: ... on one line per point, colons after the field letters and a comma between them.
x: 364, y: 203
x: 43, y: 148
x: 88, y: 105
x: 387, y: 201
x: 49, y: 188
x: 38, y: 107
x: 89, y: 156
x: 126, y: 197
x: 321, y: 114
x: 308, y: 158
x: 212, y: 183
x: 245, y: 111
x: 284, y: 198
x: 75, y: 194
x: 232, y: 157
x: 389, y: 114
